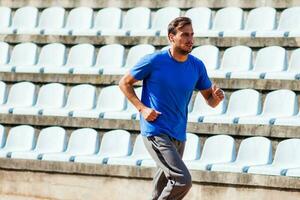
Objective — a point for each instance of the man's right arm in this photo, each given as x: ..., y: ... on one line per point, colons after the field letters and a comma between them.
x: 126, y: 85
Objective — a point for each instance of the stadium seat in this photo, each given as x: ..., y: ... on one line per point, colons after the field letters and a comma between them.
x: 237, y: 58
x: 2, y: 136
x: 4, y: 53
x: 53, y: 54
x: 114, y: 143
x: 78, y: 21
x: 288, y: 121
x: 246, y: 102
x: 109, y: 56
x: 111, y: 98
x: 216, y: 149
x: 268, y: 59
x: 129, y: 113
x: 50, y: 140
x: 288, y: 24
x: 259, y: 19
x: 139, y: 153
x: 20, y: 138
x: 201, y: 19
x: 293, y: 71
x: 253, y: 151
x: 279, y: 103
x: 24, y: 21
x: 160, y: 22
x: 226, y: 19
x: 191, y: 151
x: 3, y: 92
x: 201, y: 109
x: 5, y: 19
x: 287, y: 155
x: 209, y: 55
x: 80, y: 56
x: 135, y: 20
x: 293, y: 172
x: 134, y: 55
x: 50, y: 96
x: 84, y: 141
x: 81, y: 97
x: 24, y: 54
x: 21, y: 94
x: 51, y: 19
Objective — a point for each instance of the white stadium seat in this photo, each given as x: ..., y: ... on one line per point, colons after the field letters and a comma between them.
x: 84, y: 141
x: 114, y: 143
x: 279, y: 103
x: 216, y: 149
x: 209, y: 55
x: 50, y: 140
x: 5, y: 19
x: 20, y: 138
x: 3, y: 92
x: 81, y: 97
x: 287, y: 156
x: 201, y: 19
x: 51, y: 19
x: 2, y: 136
x: 252, y: 151
x: 4, y: 53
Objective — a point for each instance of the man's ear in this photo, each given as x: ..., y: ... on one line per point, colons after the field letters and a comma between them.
x: 171, y: 37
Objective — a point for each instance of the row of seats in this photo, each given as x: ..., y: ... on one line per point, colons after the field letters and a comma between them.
x: 228, y: 22
x: 84, y: 146
x: 280, y: 107
x: 237, y: 62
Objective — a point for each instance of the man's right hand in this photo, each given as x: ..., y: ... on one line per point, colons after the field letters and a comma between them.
x: 150, y: 114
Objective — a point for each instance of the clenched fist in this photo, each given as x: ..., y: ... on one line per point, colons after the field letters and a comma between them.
x: 217, y: 93
x: 150, y: 114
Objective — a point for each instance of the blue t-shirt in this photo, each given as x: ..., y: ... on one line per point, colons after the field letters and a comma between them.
x: 167, y: 87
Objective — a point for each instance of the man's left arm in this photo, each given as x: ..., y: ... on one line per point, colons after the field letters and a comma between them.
x: 213, y: 95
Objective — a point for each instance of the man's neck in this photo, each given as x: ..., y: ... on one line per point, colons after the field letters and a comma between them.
x: 177, y: 56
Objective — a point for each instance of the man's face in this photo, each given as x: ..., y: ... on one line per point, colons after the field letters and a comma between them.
x: 183, y: 41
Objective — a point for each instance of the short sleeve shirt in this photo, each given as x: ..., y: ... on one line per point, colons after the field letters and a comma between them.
x: 167, y: 87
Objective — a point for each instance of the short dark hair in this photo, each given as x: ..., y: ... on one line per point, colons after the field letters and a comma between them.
x: 177, y: 23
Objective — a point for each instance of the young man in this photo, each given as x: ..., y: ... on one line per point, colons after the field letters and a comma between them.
x: 169, y: 78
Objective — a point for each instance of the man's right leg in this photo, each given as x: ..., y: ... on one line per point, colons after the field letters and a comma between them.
x: 159, y: 183
x: 168, y: 159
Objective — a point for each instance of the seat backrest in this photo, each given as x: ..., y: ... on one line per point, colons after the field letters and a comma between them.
x: 80, y: 18
x: 24, y: 54
x: 139, y: 149
x: 81, y: 97
x: 137, y: 52
x: 4, y: 52
x: 2, y: 136
x: 53, y: 54
x: 21, y: 94
x: 3, y: 92
x: 201, y: 18
x: 51, y: 139
x: 237, y: 58
x: 294, y: 64
x: 81, y: 55
x: 287, y: 152
x: 192, y: 147
x: 115, y: 143
x: 290, y: 19
x: 257, y: 150
x: 209, y: 55
x: 25, y: 17
x: 228, y: 19
x: 244, y: 102
x: 202, y: 108
x: 83, y: 141
x: 111, y: 98
x: 52, y: 18
x: 20, y: 138
x: 111, y: 56
x: 219, y: 148
x: 5, y: 17
x: 280, y: 103
x: 270, y: 59
x: 137, y: 18
x: 51, y: 95
x: 113, y: 14
x: 164, y: 16
x: 261, y: 19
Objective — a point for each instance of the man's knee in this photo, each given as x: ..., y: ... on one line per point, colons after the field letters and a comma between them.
x: 186, y: 181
